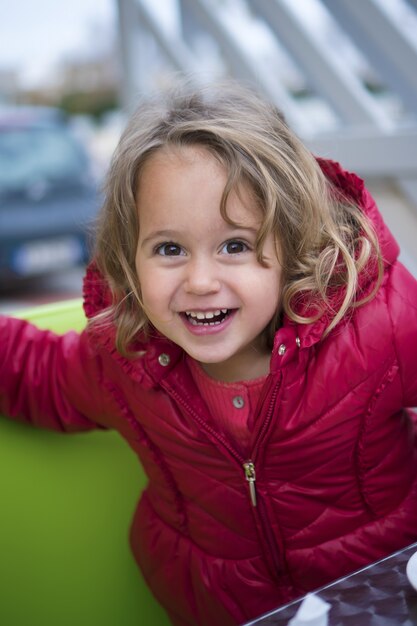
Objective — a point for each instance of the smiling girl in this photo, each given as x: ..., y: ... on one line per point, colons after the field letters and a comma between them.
x: 253, y: 337
x: 200, y: 279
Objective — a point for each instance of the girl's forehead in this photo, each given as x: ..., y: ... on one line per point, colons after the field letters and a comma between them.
x: 181, y: 160
x: 179, y: 155
x: 185, y: 185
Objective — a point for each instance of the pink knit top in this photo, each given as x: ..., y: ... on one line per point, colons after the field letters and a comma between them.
x: 230, y: 404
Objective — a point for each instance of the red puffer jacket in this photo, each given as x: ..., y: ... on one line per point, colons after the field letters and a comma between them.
x: 333, y: 446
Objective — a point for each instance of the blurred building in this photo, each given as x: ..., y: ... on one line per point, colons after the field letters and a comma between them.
x: 97, y: 73
x: 9, y: 86
x: 87, y: 85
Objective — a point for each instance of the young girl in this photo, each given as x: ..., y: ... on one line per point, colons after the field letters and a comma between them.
x: 254, y: 338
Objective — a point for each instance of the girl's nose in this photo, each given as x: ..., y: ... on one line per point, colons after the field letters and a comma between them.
x: 201, y: 278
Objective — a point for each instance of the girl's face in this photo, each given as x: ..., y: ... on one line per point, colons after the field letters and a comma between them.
x: 201, y: 284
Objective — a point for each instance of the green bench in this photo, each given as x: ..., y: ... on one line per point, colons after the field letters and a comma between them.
x: 66, y: 507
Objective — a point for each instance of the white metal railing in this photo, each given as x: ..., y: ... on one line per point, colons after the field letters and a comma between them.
x: 363, y: 132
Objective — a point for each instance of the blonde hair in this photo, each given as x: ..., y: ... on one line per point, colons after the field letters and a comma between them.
x: 324, y: 240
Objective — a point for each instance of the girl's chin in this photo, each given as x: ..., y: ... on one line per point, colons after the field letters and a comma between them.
x: 205, y: 357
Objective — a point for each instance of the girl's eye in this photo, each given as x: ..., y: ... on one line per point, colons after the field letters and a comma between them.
x: 169, y: 249
x: 234, y: 247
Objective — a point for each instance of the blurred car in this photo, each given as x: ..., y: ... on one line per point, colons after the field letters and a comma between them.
x: 48, y: 196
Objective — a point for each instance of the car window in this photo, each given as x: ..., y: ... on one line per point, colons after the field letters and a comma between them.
x: 32, y: 155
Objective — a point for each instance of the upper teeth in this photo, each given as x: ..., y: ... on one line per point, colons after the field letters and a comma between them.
x: 205, y: 315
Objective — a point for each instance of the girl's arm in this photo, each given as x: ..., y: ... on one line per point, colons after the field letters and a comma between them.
x: 402, y: 303
x: 48, y: 380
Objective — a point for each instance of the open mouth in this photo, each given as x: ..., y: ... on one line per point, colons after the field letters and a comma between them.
x: 207, y: 318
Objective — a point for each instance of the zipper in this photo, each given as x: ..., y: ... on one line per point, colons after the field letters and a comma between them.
x: 248, y: 465
x: 265, y: 425
x: 250, y: 474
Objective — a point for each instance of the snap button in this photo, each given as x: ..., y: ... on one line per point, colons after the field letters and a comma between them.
x: 238, y: 402
x: 164, y: 359
x: 298, y: 342
x: 282, y: 349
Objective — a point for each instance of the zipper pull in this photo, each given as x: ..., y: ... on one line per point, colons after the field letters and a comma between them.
x: 250, y: 474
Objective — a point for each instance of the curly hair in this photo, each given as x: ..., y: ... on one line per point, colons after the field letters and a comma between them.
x: 324, y: 240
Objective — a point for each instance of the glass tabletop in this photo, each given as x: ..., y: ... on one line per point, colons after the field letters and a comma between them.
x: 377, y: 595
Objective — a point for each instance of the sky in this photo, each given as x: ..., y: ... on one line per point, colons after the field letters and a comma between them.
x: 34, y: 34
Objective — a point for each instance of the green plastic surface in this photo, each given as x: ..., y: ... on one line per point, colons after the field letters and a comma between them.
x: 66, y: 503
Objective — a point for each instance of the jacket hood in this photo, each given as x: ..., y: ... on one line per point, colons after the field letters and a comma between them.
x: 353, y: 187
x: 97, y: 295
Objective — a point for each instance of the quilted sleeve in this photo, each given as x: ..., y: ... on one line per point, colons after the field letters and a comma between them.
x: 402, y: 303
x: 48, y: 380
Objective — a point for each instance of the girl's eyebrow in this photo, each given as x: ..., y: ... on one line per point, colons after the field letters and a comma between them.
x: 175, y: 235
x: 164, y: 234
